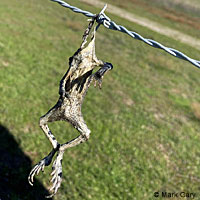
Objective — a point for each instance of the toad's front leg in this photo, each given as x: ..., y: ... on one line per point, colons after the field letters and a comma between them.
x: 98, y: 75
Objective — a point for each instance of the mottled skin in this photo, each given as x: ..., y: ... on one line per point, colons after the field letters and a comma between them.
x: 73, y: 88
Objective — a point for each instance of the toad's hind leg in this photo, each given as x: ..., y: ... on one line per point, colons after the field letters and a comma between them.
x: 80, y: 125
x: 53, y: 114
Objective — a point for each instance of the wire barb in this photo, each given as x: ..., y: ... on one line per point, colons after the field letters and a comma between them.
x: 101, y: 18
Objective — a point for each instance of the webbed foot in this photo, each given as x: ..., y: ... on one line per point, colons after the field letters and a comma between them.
x: 56, y: 174
x: 40, y: 166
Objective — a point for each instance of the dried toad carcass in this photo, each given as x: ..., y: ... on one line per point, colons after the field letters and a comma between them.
x: 73, y: 88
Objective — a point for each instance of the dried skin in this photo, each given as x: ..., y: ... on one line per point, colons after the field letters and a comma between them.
x: 73, y: 88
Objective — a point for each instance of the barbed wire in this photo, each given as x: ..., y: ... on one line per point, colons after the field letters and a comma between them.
x: 101, y: 18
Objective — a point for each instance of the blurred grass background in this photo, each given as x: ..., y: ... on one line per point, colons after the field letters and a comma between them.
x: 144, y: 121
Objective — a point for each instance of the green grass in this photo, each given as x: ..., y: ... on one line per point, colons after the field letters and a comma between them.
x: 178, y: 16
x: 144, y: 123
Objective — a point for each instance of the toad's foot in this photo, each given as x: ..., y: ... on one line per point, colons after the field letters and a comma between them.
x: 40, y: 166
x: 56, y: 173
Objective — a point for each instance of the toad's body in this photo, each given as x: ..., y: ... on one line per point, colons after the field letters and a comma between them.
x: 73, y: 88
x: 78, y: 77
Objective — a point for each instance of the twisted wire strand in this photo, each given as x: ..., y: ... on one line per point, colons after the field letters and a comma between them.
x: 108, y: 23
x: 74, y: 9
